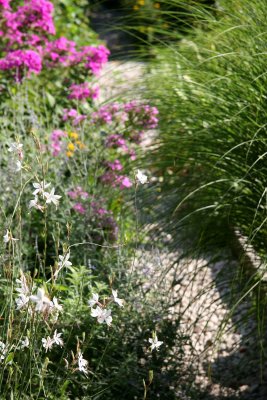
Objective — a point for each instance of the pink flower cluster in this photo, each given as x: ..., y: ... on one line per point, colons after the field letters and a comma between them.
x: 61, y: 51
x: 78, y: 194
x: 5, y: 4
x: 20, y: 60
x: 96, y: 58
x: 142, y: 114
x: 105, y: 220
x: 114, y: 180
x: 102, y: 217
x: 64, y: 52
x: 132, y: 113
x: 35, y: 16
x: 73, y: 115
x: 56, y: 143
x: 83, y: 91
x: 107, y: 114
x: 30, y: 25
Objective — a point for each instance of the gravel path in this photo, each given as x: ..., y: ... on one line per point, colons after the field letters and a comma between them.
x: 200, y: 291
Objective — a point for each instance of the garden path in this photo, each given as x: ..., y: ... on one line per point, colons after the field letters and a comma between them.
x: 199, y: 291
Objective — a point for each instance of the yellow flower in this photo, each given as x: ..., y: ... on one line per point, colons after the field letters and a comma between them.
x: 135, y: 7
x: 71, y: 147
x: 73, y: 135
x: 156, y: 5
x: 141, y: 2
x: 69, y: 154
x: 80, y: 144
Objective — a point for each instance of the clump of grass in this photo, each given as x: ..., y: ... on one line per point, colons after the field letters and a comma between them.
x: 212, y: 99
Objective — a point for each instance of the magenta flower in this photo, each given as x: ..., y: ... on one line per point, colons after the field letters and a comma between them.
x: 83, y: 91
x: 73, y: 115
x: 5, y: 4
x: 78, y: 193
x: 55, y: 138
x: 124, y: 182
x: 21, y: 60
x: 115, y: 165
x: 79, y: 208
x: 35, y: 16
x: 96, y: 57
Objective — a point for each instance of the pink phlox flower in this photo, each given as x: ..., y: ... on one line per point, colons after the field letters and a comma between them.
x: 83, y: 91
x: 79, y: 208
x: 116, y: 140
x: 115, y: 165
x: 78, y: 192
x: 5, y: 4
x: 60, y: 52
x: 73, y: 115
x: 34, y: 15
x: 124, y: 182
x: 96, y: 57
x: 114, y: 180
x: 20, y: 60
x: 56, y: 138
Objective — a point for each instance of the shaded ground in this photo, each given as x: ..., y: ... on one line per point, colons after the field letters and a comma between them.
x: 110, y: 23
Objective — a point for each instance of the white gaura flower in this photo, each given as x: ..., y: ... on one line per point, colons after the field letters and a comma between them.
x: 57, y: 339
x: 3, y: 350
x: 47, y: 343
x: 82, y: 364
x: 94, y: 300
x: 8, y: 237
x: 52, y: 197
x: 64, y: 260
x: 40, y: 187
x: 18, y: 166
x: 105, y: 317
x: 22, y: 282
x: 116, y: 299
x: 142, y: 178
x: 24, y: 343
x: 42, y: 301
x: 34, y: 204
x: 21, y: 301
x: 102, y: 315
x: 16, y: 148
x: 56, y: 304
x: 155, y: 343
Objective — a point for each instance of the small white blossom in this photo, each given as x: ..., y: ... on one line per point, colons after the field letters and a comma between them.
x: 142, y: 178
x: 16, y: 148
x: 18, y: 166
x: 56, y: 304
x: 64, y: 261
x: 22, y: 282
x: 21, y: 301
x: 102, y: 315
x: 3, y: 350
x: 42, y: 301
x: 34, y: 204
x: 8, y: 237
x: 40, y: 187
x: 47, y: 343
x: 116, y: 299
x: 57, y: 339
x: 155, y: 343
x: 82, y: 364
x: 94, y: 300
x: 52, y: 197
x: 24, y: 343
